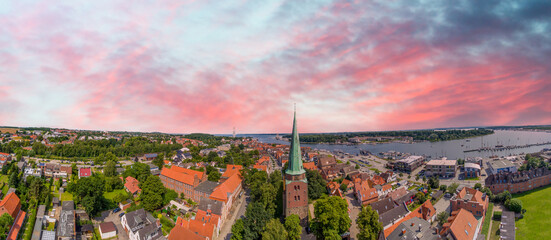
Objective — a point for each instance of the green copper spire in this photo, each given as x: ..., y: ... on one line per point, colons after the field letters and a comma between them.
x: 295, y: 157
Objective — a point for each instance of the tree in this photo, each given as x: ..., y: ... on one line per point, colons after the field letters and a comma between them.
x: 152, y: 193
x: 139, y: 171
x: 14, y: 179
x: 514, y: 205
x: 443, y: 187
x: 110, y: 169
x: 74, y: 169
x: 274, y: 231
x: 442, y: 217
x: 478, y: 186
x: 368, y: 223
x: 434, y: 182
x: 214, y: 176
x: 89, y: 192
x: 159, y: 161
x: 331, y: 217
x: 292, y: 225
x: 343, y: 187
x: 237, y: 230
x: 503, y: 197
x: 452, y: 188
x: 316, y: 184
x: 420, y: 197
x: 256, y: 218
x: 6, y: 221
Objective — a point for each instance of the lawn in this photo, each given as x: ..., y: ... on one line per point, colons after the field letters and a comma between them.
x: 4, y: 178
x: 486, y: 225
x: 111, y: 195
x: 537, y: 219
x: 494, y: 233
x: 65, y: 196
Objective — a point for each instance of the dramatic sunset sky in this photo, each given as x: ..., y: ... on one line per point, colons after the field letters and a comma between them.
x: 207, y: 66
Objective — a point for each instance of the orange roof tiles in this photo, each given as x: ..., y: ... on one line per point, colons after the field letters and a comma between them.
x: 187, y: 171
x: 261, y: 167
x: 16, y: 227
x: 10, y: 204
x: 178, y: 176
x: 463, y: 226
x: 132, y: 185
x: 386, y: 187
x: 198, y: 226
x: 226, y: 188
x: 180, y: 232
x: 231, y: 170
x: 310, y: 165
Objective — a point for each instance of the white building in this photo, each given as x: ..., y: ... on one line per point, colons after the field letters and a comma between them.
x: 107, y: 230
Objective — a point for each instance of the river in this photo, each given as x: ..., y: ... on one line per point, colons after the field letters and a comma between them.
x: 453, y: 149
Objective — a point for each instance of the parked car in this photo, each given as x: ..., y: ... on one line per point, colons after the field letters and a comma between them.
x: 116, y: 210
x: 447, y: 195
x: 122, y: 214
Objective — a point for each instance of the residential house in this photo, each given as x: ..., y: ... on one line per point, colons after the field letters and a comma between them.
x: 227, y: 192
x: 520, y: 181
x: 408, y: 164
x: 84, y: 172
x: 413, y: 228
x: 67, y: 221
x: 310, y: 166
x: 131, y: 186
x: 141, y: 225
x: 4, y: 159
x: 198, y: 228
x: 10, y: 205
x: 426, y: 212
x: 461, y: 225
x: 326, y: 162
x: 37, y: 172
x: 388, y: 176
x: 441, y: 168
x: 364, y: 193
x: 384, y: 205
x: 471, y: 200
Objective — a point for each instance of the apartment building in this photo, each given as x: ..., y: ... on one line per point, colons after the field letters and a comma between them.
x: 441, y: 168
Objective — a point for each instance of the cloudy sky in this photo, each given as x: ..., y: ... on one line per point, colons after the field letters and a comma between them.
x: 207, y: 66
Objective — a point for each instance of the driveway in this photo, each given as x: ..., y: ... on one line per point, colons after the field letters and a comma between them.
x: 109, y: 216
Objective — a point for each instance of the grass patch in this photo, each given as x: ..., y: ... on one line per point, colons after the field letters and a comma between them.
x: 111, y: 195
x: 51, y: 226
x: 167, y: 225
x: 537, y: 219
x: 494, y: 232
x: 472, y: 178
x: 65, y: 196
x: 487, y: 219
x: 4, y: 179
x: 375, y: 170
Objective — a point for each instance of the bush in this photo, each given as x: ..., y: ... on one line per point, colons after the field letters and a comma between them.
x: 514, y: 205
x: 497, y: 216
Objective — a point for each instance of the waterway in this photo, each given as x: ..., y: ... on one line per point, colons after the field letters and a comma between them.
x: 453, y: 149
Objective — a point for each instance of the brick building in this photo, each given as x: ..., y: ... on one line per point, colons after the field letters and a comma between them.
x: 471, y: 200
x: 296, y: 185
x: 516, y: 182
x: 182, y: 180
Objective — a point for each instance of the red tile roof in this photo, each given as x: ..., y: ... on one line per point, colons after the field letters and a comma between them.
x: 132, y: 185
x: 199, y: 227
x: 107, y: 227
x: 16, y: 227
x: 261, y: 167
x: 226, y: 188
x: 179, y: 232
x: 10, y: 204
x: 183, y: 175
x: 187, y: 171
x: 310, y: 165
x: 231, y: 170
x: 85, y: 172
x: 463, y: 226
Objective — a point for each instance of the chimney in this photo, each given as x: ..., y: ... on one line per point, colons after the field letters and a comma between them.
x: 419, y: 227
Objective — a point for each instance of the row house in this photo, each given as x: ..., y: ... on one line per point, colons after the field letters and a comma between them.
x: 364, y: 193
x: 516, y: 182
x: 55, y: 170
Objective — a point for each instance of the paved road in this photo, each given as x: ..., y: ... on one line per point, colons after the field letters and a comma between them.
x: 225, y: 231
x: 355, y: 208
x: 109, y: 216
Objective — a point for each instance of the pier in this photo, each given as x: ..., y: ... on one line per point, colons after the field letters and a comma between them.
x: 483, y: 149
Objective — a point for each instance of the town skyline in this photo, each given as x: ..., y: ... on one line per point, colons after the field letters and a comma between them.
x: 203, y: 67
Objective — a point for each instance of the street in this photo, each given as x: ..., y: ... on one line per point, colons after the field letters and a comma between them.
x: 355, y: 208
x: 225, y: 230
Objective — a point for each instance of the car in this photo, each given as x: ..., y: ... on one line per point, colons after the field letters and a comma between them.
x: 122, y: 214
x: 116, y: 210
x: 447, y: 195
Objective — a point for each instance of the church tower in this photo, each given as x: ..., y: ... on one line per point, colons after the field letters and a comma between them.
x: 296, y: 185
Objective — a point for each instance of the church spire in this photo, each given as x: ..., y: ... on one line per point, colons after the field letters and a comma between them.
x: 295, y: 157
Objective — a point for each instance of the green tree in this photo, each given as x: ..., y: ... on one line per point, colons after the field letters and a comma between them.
x: 331, y: 217
x: 316, y: 184
x: 159, y: 161
x: 368, y: 224
x: 514, y: 205
x: 452, y: 188
x: 110, y: 169
x: 292, y: 225
x: 6, y: 221
x: 442, y: 217
x: 13, y: 180
x: 443, y: 187
x: 420, y: 197
x: 478, y: 186
x: 256, y: 218
x: 89, y: 192
x: 274, y: 231
x: 214, y: 176
x: 238, y: 230
x: 152, y: 193
x: 434, y: 182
